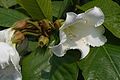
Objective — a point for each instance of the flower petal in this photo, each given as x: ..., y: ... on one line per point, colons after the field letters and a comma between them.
x: 69, y: 20
x: 8, y: 53
x: 6, y: 35
x: 10, y: 73
x: 94, y: 16
x: 96, y: 38
x: 92, y: 35
x: 4, y: 54
x: 63, y: 37
x: 80, y: 31
x: 9, y: 61
x: 15, y: 58
x: 58, y: 49
x: 2, y: 36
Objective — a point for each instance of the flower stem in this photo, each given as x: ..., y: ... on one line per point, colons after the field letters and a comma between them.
x: 35, y: 24
x: 30, y: 33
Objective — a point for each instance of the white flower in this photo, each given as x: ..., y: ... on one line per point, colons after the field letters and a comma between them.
x: 80, y: 32
x: 9, y: 57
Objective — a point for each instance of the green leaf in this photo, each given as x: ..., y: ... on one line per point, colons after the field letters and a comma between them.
x: 9, y: 17
x: 56, y: 8
x: 36, y: 64
x: 112, y: 23
x: 103, y: 63
x: 7, y: 3
x: 111, y: 11
x: 59, y: 7
x: 40, y: 65
x: 38, y: 9
x: 65, y: 68
x: 33, y: 45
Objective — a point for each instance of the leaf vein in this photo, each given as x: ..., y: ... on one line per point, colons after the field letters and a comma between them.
x: 112, y: 62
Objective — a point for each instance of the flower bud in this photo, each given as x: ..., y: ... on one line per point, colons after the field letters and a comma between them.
x: 58, y: 23
x: 20, y: 25
x: 43, y: 41
x: 45, y: 24
x: 18, y: 37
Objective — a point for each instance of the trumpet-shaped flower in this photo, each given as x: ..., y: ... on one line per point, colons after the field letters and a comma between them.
x: 80, y: 32
x: 9, y: 57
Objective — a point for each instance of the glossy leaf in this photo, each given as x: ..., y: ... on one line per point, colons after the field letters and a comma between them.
x: 59, y: 7
x: 102, y: 63
x: 9, y: 17
x: 65, y: 68
x: 7, y: 3
x: 38, y: 9
x: 56, y: 8
x: 34, y: 65
x: 33, y: 45
x: 111, y: 11
x: 40, y: 65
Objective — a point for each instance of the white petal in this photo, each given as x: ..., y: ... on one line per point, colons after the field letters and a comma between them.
x: 94, y: 16
x: 6, y: 35
x: 77, y: 44
x: 9, y: 61
x: 98, y: 41
x: 63, y: 37
x: 69, y: 20
x: 4, y: 53
x: 81, y: 31
x: 2, y: 36
x: 83, y: 47
x: 10, y: 73
x: 8, y: 53
x: 9, y: 33
x: 96, y: 38
x: 92, y: 35
x: 60, y: 50
x: 15, y: 58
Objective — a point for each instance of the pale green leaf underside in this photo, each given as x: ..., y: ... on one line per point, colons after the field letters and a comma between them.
x: 7, y: 3
x: 38, y: 9
x: 9, y: 17
x: 111, y: 11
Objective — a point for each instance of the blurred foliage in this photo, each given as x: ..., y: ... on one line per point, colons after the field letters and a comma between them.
x: 7, y: 3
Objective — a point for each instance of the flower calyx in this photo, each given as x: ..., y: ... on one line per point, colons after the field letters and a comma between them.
x: 43, y: 41
x: 58, y: 23
x: 18, y: 37
x: 19, y: 25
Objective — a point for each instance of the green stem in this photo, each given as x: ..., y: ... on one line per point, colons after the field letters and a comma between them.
x: 29, y: 30
x: 30, y: 33
x: 35, y: 24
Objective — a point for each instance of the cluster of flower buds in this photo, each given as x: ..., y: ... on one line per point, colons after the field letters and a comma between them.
x: 40, y: 29
x: 18, y: 36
